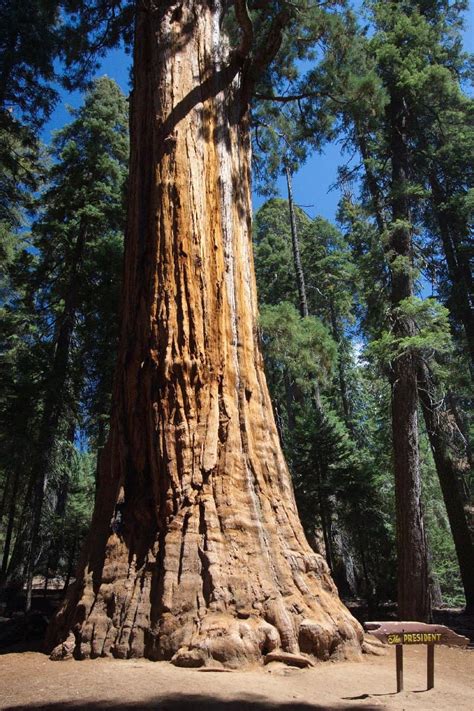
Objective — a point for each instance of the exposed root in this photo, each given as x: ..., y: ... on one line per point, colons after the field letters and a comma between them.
x: 65, y: 650
x: 293, y: 660
x: 371, y: 645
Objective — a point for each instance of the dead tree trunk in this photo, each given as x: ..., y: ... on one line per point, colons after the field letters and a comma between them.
x: 295, y: 243
x: 299, y: 273
x: 196, y: 552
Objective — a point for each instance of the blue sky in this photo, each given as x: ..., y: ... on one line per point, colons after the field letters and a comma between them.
x: 312, y: 186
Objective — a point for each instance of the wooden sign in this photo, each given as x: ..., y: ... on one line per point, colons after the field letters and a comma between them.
x: 415, y: 633
x: 400, y: 633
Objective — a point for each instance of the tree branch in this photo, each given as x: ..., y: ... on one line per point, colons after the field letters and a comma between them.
x: 287, y: 97
x: 271, y: 43
x: 245, y: 24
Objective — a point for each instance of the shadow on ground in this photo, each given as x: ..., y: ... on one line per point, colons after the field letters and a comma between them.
x: 23, y: 633
x: 191, y: 702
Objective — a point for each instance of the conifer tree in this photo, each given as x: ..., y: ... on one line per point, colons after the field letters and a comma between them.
x: 332, y: 459
x: 414, y: 47
x: 83, y: 216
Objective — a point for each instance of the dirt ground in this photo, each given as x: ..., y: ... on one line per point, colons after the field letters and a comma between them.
x: 29, y: 680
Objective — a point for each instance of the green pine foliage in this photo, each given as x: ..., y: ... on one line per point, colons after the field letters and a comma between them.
x: 432, y: 331
x: 28, y: 47
x: 412, y: 50
x: 335, y: 447
x: 61, y: 297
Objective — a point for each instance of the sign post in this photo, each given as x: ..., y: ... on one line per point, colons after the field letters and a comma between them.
x: 400, y: 633
x: 399, y: 663
x: 430, y: 666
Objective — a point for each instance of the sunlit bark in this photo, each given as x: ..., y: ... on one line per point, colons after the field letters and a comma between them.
x: 196, y: 552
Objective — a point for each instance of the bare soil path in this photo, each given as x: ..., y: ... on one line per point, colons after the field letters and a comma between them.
x: 29, y: 680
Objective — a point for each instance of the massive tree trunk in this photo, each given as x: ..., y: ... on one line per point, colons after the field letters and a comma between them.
x: 196, y: 552
x: 412, y: 557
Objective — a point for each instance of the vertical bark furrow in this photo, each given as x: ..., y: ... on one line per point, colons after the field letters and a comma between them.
x: 207, y: 499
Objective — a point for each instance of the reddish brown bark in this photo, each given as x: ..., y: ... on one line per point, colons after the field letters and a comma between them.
x: 205, y: 558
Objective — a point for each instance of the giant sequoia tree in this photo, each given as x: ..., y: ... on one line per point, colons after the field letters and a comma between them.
x: 196, y: 552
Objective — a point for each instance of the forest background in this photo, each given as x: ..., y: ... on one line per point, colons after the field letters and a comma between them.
x: 315, y: 184
x: 327, y: 364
